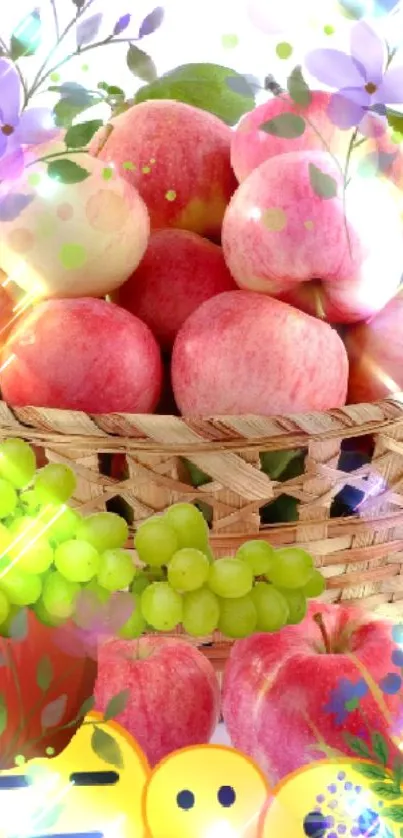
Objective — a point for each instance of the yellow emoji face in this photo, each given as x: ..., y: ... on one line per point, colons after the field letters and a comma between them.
x: 329, y: 799
x: 207, y: 791
x: 93, y: 788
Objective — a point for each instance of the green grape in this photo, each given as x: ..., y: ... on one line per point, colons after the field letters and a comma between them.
x: 117, y: 570
x: 59, y: 595
x: 209, y: 553
x: 315, y: 585
x: 140, y: 583
x: 29, y: 552
x: 30, y: 500
x: 55, y: 483
x: 161, y: 606
x: 44, y: 616
x: 271, y: 607
x: 135, y: 625
x: 201, y: 612
x: 156, y: 542
x: 259, y: 555
x: 20, y: 588
x: 104, y: 530
x: 230, y: 578
x: 100, y: 593
x: 189, y: 525
x: 59, y: 522
x: 17, y: 462
x: 292, y: 568
x: 77, y: 561
x: 188, y: 569
x: 238, y: 616
x: 6, y: 539
x: 8, y: 498
x: 4, y: 607
x: 297, y: 605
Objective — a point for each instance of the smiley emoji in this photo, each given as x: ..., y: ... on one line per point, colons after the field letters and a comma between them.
x: 330, y: 799
x: 207, y: 791
x: 93, y: 789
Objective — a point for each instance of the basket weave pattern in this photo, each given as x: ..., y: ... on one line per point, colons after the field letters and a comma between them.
x: 361, y: 556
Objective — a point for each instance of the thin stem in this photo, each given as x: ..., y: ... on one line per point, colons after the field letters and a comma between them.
x: 7, y: 53
x: 65, y: 153
x: 64, y: 727
x: 78, y: 52
x: 318, y: 619
x: 55, y: 19
x: 346, y: 181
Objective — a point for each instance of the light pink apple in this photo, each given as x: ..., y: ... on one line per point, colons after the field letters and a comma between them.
x: 248, y: 353
x: 251, y: 145
x: 179, y: 271
x: 82, y: 354
x: 284, y: 691
x: 375, y: 351
x: 325, y: 255
x: 174, y: 693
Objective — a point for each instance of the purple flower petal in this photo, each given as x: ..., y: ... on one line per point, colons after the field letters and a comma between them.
x: 334, y: 68
x: 390, y: 91
x: 88, y: 30
x: 120, y: 607
x: 12, y: 164
x: 36, y: 126
x: 343, y: 112
x: 3, y: 144
x: 10, y: 92
x: 12, y: 205
x: 368, y: 49
x: 122, y: 24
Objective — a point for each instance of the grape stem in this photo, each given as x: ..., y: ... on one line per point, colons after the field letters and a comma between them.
x: 318, y: 619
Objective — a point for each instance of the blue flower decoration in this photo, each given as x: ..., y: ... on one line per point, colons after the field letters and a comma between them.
x: 397, y: 657
x: 397, y: 634
x: 391, y: 684
x: 345, y: 698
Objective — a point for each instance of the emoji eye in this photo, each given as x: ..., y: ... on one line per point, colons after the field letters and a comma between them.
x: 185, y: 799
x: 226, y: 796
x: 315, y: 825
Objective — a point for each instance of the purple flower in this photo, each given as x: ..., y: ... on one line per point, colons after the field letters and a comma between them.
x: 18, y: 128
x: 363, y: 80
x: 345, y: 697
x: 94, y: 623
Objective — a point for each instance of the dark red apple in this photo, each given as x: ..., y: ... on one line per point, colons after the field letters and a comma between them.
x: 42, y: 689
x: 174, y: 692
x: 284, y: 693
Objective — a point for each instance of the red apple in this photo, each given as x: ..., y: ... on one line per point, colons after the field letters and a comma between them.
x: 179, y: 271
x: 174, y: 693
x: 82, y: 354
x: 283, y: 691
x: 293, y: 231
x: 42, y: 689
x: 248, y: 353
x: 375, y: 351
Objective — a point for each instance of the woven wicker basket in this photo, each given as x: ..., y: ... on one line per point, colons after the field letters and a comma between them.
x: 361, y: 555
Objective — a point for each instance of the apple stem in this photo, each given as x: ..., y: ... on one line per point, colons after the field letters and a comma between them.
x: 323, y: 630
x: 108, y: 131
x: 320, y: 311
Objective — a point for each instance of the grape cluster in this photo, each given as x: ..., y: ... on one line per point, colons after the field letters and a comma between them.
x: 48, y: 551
x: 49, y: 554
x: 260, y: 589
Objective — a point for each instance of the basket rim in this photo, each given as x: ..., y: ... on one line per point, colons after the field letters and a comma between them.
x: 183, y: 436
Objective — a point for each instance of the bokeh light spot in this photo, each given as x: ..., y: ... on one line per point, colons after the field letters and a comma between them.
x: 229, y: 41
x: 65, y: 212
x: 106, y: 211
x: 274, y: 219
x: 284, y: 50
x: 73, y: 256
x: 170, y: 195
x: 21, y: 240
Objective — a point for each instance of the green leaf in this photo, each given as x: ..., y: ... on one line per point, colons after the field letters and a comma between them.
x: 380, y: 747
x: 26, y: 38
x: 69, y: 107
x: 53, y: 713
x: 298, y: 88
x: 398, y: 772
x: 66, y: 171
x: 86, y: 707
x: 3, y: 713
x: 116, y: 705
x: 385, y: 790
x: 353, y: 9
x: 371, y: 770
x: 44, y: 673
x: 358, y: 746
x: 205, y: 86
x: 106, y: 747
x: 290, y: 126
x: 395, y: 120
x: 322, y: 184
x: 78, y: 136
x: 19, y: 625
x: 140, y: 64
x: 394, y: 813
x: 274, y: 463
